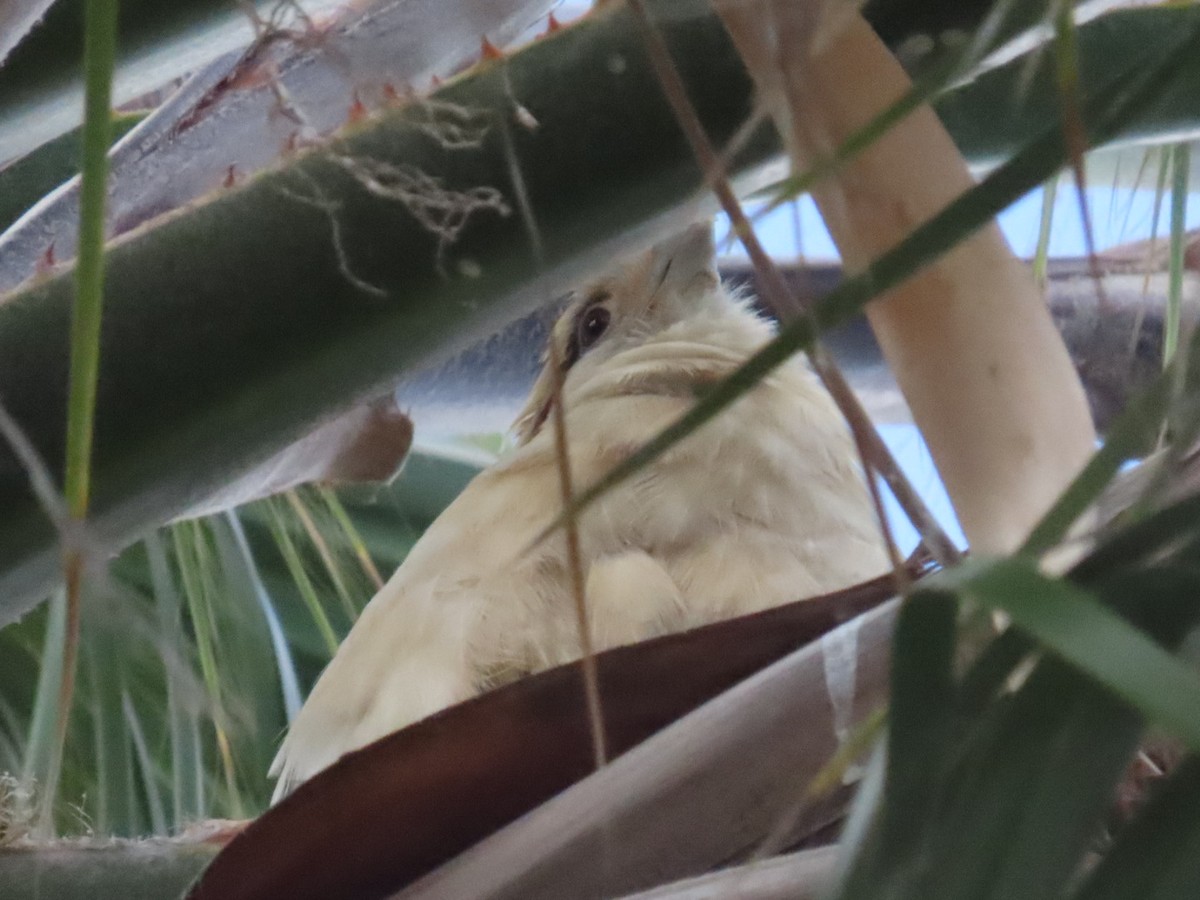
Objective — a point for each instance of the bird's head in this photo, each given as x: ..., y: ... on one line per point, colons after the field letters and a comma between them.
x: 672, y: 281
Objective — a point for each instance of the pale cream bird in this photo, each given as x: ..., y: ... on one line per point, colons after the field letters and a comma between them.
x: 763, y: 505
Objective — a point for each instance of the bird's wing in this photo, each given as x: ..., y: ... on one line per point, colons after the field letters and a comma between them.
x: 410, y: 653
x: 475, y: 603
x: 631, y: 597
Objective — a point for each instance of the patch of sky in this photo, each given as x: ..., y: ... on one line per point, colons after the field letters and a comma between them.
x: 1118, y: 216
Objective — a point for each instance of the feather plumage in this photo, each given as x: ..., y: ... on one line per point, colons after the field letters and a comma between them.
x: 761, y: 506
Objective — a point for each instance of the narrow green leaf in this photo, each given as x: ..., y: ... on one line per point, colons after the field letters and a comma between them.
x: 328, y: 559
x: 1041, y: 255
x: 198, y: 787
x: 45, y: 705
x: 186, y: 762
x: 12, y: 738
x: 98, y: 55
x: 255, y: 660
x: 285, y: 665
x: 193, y: 556
x: 187, y: 537
x: 111, y: 803
x: 1180, y: 163
x: 352, y: 535
x: 304, y: 584
x: 98, y: 52
x: 1160, y: 190
x: 1074, y: 625
x: 922, y: 707
x: 146, y: 767
x: 1066, y: 57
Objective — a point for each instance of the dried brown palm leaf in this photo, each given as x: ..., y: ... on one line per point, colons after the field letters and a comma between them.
x: 386, y: 815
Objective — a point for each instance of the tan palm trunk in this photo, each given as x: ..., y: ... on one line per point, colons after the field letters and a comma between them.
x: 969, y: 339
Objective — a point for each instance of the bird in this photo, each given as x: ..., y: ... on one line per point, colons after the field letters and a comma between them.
x: 764, y: 504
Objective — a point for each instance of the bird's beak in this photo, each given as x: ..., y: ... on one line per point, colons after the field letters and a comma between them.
x: 690, y: 254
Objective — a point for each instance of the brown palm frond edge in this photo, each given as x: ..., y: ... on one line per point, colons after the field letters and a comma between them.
x: 388, y: 814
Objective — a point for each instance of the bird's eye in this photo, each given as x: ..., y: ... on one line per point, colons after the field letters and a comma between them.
x: 592, y: 325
